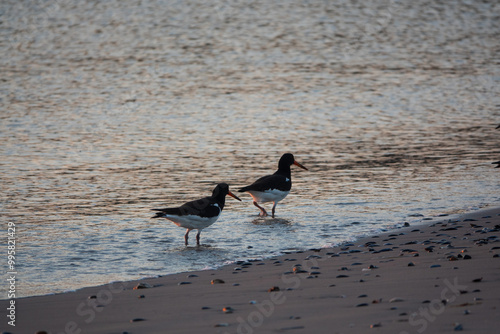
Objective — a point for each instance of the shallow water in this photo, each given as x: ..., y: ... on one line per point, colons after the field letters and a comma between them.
x: 109, y: 109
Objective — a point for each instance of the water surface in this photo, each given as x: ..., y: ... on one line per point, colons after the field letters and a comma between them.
x: 109, y: 109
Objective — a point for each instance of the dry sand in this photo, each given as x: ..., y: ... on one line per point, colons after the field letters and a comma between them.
x: 402, y: 281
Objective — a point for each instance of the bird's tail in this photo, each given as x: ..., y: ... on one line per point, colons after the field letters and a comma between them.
x: 166, y: 211
x: 241, y: 190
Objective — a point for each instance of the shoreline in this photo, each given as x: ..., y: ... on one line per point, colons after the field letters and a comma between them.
x: 401, y: 280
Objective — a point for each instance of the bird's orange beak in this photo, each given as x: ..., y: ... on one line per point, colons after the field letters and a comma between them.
x: 297, y: 164
x: 233, y: 195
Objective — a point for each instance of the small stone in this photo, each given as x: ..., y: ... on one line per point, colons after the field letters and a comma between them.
x: 142, y: 286
x: 236, y: 284
x: 362, y: 296
x: 362, y: 305
x: 183, y: 283
x: 217, y: 281
x: 41, y: 332
x: 252, y: 302
x: 467, y: 257
x: 191, y: 275
x: 395, y: 300
x: 466, y: 312
x: 94, y: 296
x: 137, y: 320
x: 477, y: 280
x: 274, y: 288
x: 458, y: 327
x: 222, y: 324
x: 342, y: 276
x: 205, y: 308
x: 141, y: 296
x: 228, y: 309
x: 435, y: 266
x: 376, y: 325
x: 411, y: 264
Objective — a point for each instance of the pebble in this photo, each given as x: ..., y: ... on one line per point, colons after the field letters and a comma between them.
x: 227, y: 309
x: 94, y: 296
x: 342, y: 276
x: 142, y: 286
x: 376, y: 325
x: 467, y: 257
x: 458, y: 327
x: 222, y: 324
x: 41, y: 332
x: 141, y: 296
x: 435, y: 266
x: 395, y: 300
x: 183, y: 283
x: 362, y: 296
x: 477, y: 280
x: 205, y: 308
x: 411, y: 264
x: 192, y: 275
x: 137, y: 319
x: 217, y: 281
x: 362, y: 305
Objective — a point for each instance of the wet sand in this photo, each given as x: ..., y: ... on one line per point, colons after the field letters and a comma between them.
x: 443, y: 277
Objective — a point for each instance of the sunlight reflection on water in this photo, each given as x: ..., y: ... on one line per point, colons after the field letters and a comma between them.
x: 111, y: 109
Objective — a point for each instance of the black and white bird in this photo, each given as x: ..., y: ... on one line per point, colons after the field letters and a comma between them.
x: 275, y: 187
x: 198, y: 214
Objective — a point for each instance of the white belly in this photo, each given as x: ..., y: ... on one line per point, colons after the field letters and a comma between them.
x: 191, y: 221
x: 271, y: 195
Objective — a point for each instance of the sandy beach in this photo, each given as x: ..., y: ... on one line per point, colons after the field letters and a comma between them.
x: 441, y: 277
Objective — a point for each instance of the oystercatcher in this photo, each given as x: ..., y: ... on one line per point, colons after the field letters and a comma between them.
x: 273, y: 188
x: 198, y: 214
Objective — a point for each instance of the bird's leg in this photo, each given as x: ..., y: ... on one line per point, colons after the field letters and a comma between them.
x: 263, y: 212
x: 274, y: 208
x: 198, y: 238
x: 186, y: 237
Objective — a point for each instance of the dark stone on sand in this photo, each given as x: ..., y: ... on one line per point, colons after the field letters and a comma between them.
x: 217, y: 281
x: 274, y: 288
x: 342, y: 276
x: 205, y: 308
x: 93, y: 297
x: 467, y: 257
x: 356, y: 264
x: 221, y: 324
x: 383, y: 250
x: 141, y: 297
x: 137, y: 320
x: 183, y: 283
x: 314, y: 273
x: 372, y: 266
x: 435, y: 266
x: 477, y: 280
x: 362, y: 305
x: 458, y: 327
x: 192, y: 275
x: 41, y: 332
x: 376, y: 325
x: 228, y: 309
x: 411, y: 264
x: 362, y: 296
